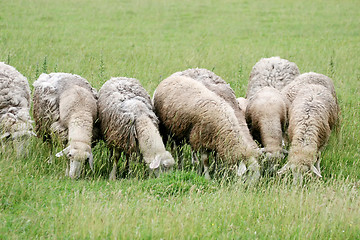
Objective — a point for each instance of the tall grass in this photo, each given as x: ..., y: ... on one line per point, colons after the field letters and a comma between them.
x: 150, y: 40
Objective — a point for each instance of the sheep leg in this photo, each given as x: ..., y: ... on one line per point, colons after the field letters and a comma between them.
x: 181, y: 161
x: 194, y: 158
x: 298, y: 178
x: 317, y: 163
x: 126, y: 170
x: 115, y: 154
x: 67, y: 169
x: 204, y: 159
x: 254, y: 171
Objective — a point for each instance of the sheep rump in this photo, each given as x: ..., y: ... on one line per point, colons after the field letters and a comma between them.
x: 15, y: 121
x: 292, y: 89
x: 212, y: 82
x: 266, y: 115
x: 47, y: 91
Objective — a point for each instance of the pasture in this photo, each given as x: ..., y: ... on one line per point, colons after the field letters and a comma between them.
x: 149, y: 40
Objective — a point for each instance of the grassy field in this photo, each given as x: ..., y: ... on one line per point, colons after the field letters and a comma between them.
x: 149, y: 40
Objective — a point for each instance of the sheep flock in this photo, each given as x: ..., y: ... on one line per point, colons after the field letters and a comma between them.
x: 280, y: 127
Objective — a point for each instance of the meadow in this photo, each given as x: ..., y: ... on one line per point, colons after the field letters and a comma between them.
x: 149, y: 40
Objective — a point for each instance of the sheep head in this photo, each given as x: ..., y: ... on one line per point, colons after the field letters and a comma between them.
x: 78, y: 153
x: 271, y: 159
x: 251, y: 172
x: 161, y: 162
x: 300, y: 163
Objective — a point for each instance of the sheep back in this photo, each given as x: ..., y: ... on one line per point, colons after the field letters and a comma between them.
x: 14, y: 101
x: 48, y: 90
x: 213, y: 82
x: 122, y: 101
x: 271, y: 72
x: 292, y: 90
x: 312, y: 116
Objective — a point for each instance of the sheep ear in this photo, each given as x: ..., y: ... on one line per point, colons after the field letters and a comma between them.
x: 262, y: 150
x: 155, y: 163
x: 64, y: 151
x: 284, y: 169
x: 5, y: 135
x: 316, y: 171
x: 285, y: 152
x: 241, y: 169
x: 91, y: 161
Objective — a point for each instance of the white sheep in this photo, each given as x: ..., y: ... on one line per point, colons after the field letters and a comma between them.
x: 188, y: 110
x: 312, y: 115
x: 130, y: 125
x: 217, y: 85
x: 266, y: 115
x: 65, y: 105
x: 271, y: 72
x: 15, y: 121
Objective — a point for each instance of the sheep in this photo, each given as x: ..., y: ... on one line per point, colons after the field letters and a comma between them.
x: 312, y: 115
x: 65, y: 107
x: 190, y: 111
x: 266, y: 115
x: 15, y: 120
x: 217, y: 85
x: 130, y: 125
x: 292, y: 89
x: 271, y: 72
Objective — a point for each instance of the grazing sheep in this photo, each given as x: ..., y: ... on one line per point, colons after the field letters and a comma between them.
x: 293, y: 88
x: 188, y: 110
x: 129, y: 123
x: 15, y: 121
x: 271, y: 72
x: 217, y: 85
x: 65, y: 105
x: 312, y: 115
x: 266, y: 115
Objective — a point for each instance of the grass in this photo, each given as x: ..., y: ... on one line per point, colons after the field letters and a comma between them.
x: 150, y: 40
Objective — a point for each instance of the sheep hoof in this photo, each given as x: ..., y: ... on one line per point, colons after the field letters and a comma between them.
x: 156, y: 172
x: 241, y: 169
x: 112, y: 176
x: 50, y: 160
x: 253, y: 178
x: 207, y: 176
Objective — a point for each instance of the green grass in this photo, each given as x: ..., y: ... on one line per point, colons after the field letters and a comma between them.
x: 150, y: 40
